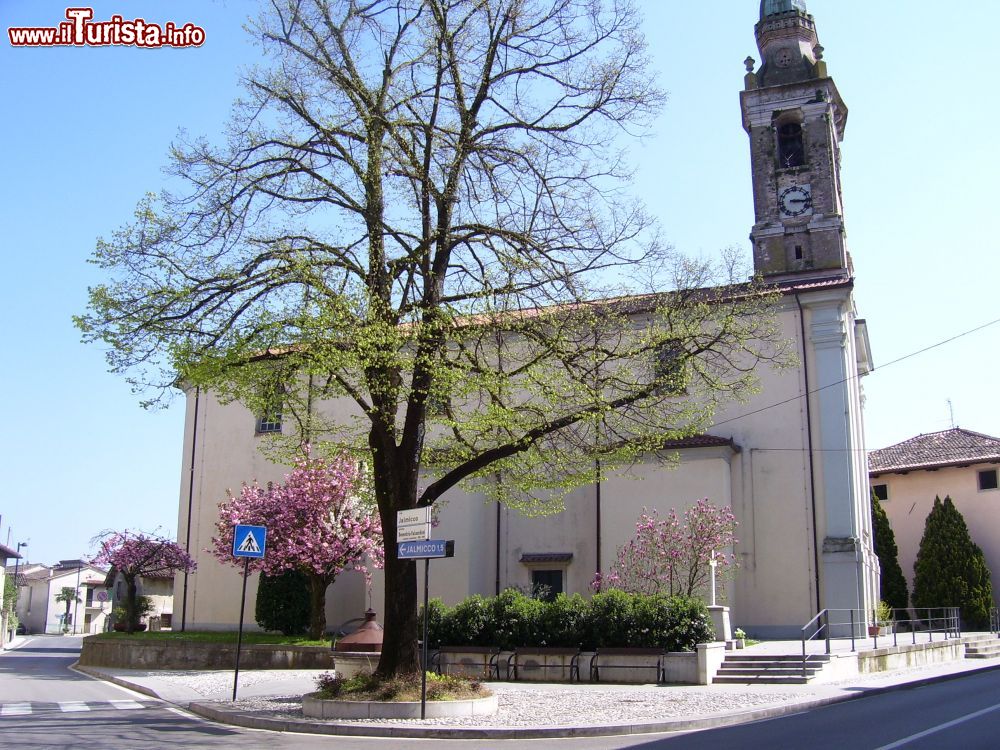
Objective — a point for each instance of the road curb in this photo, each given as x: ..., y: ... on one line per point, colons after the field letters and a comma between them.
x: 224, y: 713
x: 99, y: 675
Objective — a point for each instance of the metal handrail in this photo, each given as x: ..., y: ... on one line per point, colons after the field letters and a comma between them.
x: 929, y: 620
x: 994, y: 620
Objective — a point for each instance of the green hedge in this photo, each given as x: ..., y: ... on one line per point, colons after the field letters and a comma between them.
x: 609, y: 619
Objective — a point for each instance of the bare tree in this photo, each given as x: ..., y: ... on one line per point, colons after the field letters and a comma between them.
x: 420, y: 208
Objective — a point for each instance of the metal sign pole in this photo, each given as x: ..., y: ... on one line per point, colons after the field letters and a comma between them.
x: 239, y: 638
x: 423, y: 662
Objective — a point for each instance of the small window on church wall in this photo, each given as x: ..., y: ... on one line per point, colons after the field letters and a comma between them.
x: 670, y: 369
x: 791, y: 152
x: 881, y: 491
x: 988, y: 479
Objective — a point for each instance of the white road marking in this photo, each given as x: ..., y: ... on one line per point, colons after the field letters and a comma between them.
x: 15, y: 709
x: 939, y: 728
x: 126, y: 705
x: 70, y: 706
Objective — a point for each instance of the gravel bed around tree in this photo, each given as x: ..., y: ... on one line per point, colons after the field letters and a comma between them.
x: 523, y: 707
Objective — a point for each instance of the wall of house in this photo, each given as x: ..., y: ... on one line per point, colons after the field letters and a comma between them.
x: 911, y: 497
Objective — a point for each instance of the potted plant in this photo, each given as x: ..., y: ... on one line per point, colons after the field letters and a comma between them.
x: 881, y: 620
x: 740, y: 637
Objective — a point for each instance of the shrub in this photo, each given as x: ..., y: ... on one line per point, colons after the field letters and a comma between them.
x: 950, y: 571
x: 467, y: 624
x: 688, y: 623
x: 438, y: 630
x: 561, y: 621
x: 892, y: 582
x: 283, y: 603
x: 608, y: 620
x: 514, y: 620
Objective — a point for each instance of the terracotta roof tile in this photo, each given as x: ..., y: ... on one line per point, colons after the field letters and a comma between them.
x: 699, y: 441
x: 953, y: 447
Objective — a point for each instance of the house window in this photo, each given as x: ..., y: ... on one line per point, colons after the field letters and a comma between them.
x: 546, y: 584
x: 791, y: 152
x: 988, y: 479
x: 670, y: 370
x: 881, y: 491
x: 270, y: 422
x: 90, y: 596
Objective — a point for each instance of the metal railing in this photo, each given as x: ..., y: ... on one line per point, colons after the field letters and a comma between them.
x: 855, y: 624
x: 994, y: 620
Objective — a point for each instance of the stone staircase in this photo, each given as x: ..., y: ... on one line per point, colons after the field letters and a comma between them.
x: 768, y: 669
x: 982, y: 646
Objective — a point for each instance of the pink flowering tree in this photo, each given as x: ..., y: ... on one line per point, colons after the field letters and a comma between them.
x: 317, y: 523
x: 136, y: 555
x: 673, y: 556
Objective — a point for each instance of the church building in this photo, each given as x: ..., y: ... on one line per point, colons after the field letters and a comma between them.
x: 791, y: 463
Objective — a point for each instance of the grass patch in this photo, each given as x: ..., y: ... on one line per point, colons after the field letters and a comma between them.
x: 367, y: 687
x: 216, y: 636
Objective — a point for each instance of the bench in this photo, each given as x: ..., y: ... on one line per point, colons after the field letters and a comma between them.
x: 544, y: 658
x: 627, y: 658
x: 478, y: 661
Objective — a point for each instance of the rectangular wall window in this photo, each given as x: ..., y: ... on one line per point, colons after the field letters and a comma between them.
x: 268, y: 423
x: 881, y: 491
x: 546, y: 584
x: 988, y: 479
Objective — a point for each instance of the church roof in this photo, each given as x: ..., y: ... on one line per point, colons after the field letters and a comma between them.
x: 955, y: 447
x: 774, y: 7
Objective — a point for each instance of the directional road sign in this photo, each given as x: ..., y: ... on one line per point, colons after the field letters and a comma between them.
x: 426, y: 549
x: 249, y: 541
x: 413, y: 525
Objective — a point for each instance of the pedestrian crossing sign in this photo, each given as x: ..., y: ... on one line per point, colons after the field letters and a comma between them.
x: 249, y: 541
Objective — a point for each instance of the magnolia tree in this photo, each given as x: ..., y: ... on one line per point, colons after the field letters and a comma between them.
x: 317, y: 523
x: 136, y: 555
x: 671, y: 556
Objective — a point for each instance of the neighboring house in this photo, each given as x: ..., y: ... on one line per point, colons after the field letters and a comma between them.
x: 38, y: 609
x: 6, y: 553
x: 906, y: 478
x: 160, y: 590
x: 791, y: 462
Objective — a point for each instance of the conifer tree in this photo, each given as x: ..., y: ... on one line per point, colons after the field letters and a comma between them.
x: 283, y: 602
x: 892, y: 582
x: 950, y: 570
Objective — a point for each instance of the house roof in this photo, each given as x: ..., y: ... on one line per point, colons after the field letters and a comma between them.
x: 7, y: 552
x: 955, y: 447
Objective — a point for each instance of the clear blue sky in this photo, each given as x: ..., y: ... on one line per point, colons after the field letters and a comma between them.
x: 86, y: 131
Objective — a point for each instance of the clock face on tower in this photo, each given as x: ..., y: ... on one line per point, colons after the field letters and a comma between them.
x: 795, y: 200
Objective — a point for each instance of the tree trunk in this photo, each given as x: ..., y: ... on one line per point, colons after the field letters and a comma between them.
x: 399, y: 638
x: 131, y: 603
x: 317, y: 605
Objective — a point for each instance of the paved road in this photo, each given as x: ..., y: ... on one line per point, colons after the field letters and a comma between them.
x: 43, y: 704
x: 962, y: 713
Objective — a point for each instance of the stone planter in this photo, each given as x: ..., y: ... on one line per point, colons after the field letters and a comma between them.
x: 323, y: 708
x: 350, y: 663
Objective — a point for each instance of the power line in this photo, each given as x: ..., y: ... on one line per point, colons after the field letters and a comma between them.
x: 854, y: 377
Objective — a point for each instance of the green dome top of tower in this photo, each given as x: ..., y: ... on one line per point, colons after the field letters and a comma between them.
x: 773, y: 7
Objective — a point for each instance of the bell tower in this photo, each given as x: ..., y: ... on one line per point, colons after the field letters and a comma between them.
x: 795, y: 118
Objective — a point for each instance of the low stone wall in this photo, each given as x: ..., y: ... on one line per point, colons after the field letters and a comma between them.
x: 910, y: 655
x: 319, y: 708
x: 689, y: 668
x: 143, y: 653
